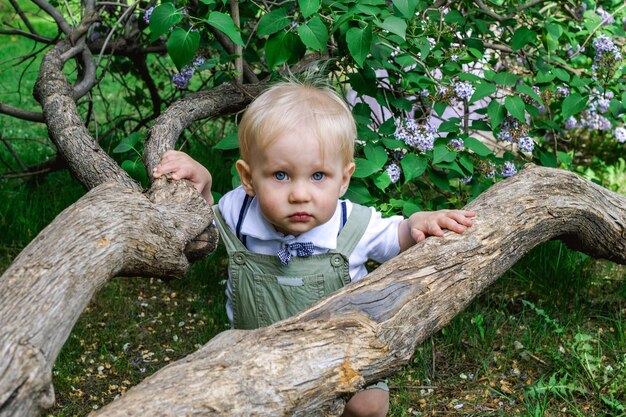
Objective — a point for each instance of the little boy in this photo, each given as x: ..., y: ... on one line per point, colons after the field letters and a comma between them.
x: 289, y: 237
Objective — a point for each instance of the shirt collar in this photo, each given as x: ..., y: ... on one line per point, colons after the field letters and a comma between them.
x: 322, y: 236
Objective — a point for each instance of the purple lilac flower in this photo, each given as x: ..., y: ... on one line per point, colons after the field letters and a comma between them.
x: 181, y: 79
x: 147, y: 14
x: 526, y: 144
x: 393, y: 170
x: 417, y: 135
x: 442, y: 90
x: 508, y: 170
x: 593, y: 120
x: 571, y: 123
x: 425, y: 93
x: 510, y: 129
x: 620, y: 134
x: 457, y: 144
x: 454, y: 58
x: 463, y: 90
x: 609, y: 95
x: 198, y: 61
x: 562, y: 91
x: 607, y: 18
x: 601, y: 105
x: 606, y: 58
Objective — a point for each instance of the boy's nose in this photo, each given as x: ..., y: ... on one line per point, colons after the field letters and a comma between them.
x: 299, y: 194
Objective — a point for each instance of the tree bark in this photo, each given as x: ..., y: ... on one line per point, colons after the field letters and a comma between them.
x: 307, y: 365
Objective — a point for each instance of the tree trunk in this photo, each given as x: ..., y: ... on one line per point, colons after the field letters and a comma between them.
x: 306, y: 365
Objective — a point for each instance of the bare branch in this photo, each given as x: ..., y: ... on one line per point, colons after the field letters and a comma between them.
x: 30, y: 116
x: 485, y: 9
x: 34, y: 36
x: 55, y: 14
x: 230, y: 48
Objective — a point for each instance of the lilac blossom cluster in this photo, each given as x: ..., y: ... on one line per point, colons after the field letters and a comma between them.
x: 508, y: 169
x: 607, y: 18
x: 457, y: 144
x: 416, y: 135
x: 393, y: 170
x: 514, y: 131
x: 147, y: 14
x: 590, y: 119
x: 606, y: 58
x: 620, y: 134
x: 181, y: 79
x: 463, y: 90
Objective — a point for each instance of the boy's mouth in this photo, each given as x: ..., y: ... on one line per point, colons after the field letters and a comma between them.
x: 300, y: 217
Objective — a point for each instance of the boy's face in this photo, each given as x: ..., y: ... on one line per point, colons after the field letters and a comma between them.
x: 296, y: 182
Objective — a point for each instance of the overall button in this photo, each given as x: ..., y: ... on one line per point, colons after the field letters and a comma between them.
x: 336, y: 260
x: 239, y: 258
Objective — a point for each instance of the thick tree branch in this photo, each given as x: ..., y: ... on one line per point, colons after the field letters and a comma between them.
x: 55, y: 14
x: 85, y: 158
x: 222, y: 100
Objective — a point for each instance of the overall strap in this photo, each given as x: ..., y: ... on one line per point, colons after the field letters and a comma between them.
x: 353, y: 230
x: 228, y: 237
x: 242, y: 214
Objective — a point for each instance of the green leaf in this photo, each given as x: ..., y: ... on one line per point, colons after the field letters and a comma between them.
x: 573, y: 104
x: 505, y: 78
x: 182, y: 46
x: 466, y: 162
x: 359, y: 42
x: 376, y: 154
x: 516, y: 107
x: 308, y: 7
x: 229, y: 142
x: 278, y: 48
x: 163, y: 17
x: 562, y: 75
x: 395, y: 25
x: 496, y: 114
x: 272, y: 22
x: 440, y: 108
x: 413, y: 166
x: 382, y: 181
x: 136, y: 170
x: 482, y: 90
x: 522, y: 37
x: 127, y: 143
x: 358, y: 193
x: 442, y: 154
x: 225, y: 24
x: 314, y: 34
x: 424, y: 46
x: 451, y: 166
x: 477, y: 146
x: 525, y: 89
x: 405, y: 7
x: 548, y: 159
x: 365, y: 168
x: 440, y: 180
x: 454, y: 16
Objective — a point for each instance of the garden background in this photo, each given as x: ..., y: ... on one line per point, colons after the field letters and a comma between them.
x: 449, y: 97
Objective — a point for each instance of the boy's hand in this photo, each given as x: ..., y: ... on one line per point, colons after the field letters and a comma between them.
x: 431, y: 223
x: 181, y: 166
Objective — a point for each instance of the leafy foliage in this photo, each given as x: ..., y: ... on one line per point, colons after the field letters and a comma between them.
x: 447, y: 97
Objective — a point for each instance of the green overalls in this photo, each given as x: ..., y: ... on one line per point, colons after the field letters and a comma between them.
x: 265, y: 291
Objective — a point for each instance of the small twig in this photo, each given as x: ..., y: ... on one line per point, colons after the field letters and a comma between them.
x: 55, y: 14
x: 234, y: 13
x: 13, y: 153
x: 596, y: 28
x: 485, y: 9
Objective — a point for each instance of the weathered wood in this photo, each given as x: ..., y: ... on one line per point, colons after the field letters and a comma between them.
x: 111, y: 231
x: 307, y: 365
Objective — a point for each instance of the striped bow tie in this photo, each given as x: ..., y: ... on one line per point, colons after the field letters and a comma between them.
x: 301, y: 248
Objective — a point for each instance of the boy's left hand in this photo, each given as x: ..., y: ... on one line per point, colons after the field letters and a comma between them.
x: 432, y: 223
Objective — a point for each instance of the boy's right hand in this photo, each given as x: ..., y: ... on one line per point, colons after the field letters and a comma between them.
x: 181, y: 166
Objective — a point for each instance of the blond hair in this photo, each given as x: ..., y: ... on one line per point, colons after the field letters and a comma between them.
x: 291, y: 105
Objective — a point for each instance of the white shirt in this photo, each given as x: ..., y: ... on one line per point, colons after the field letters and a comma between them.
x: 379, y: 242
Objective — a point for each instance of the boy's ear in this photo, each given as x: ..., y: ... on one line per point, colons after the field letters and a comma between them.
x: 347, y: 174
x: 245, y: 175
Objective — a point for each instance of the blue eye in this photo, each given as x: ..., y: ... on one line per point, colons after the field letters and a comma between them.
x: 318, y: 176
x: 280, y: 176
